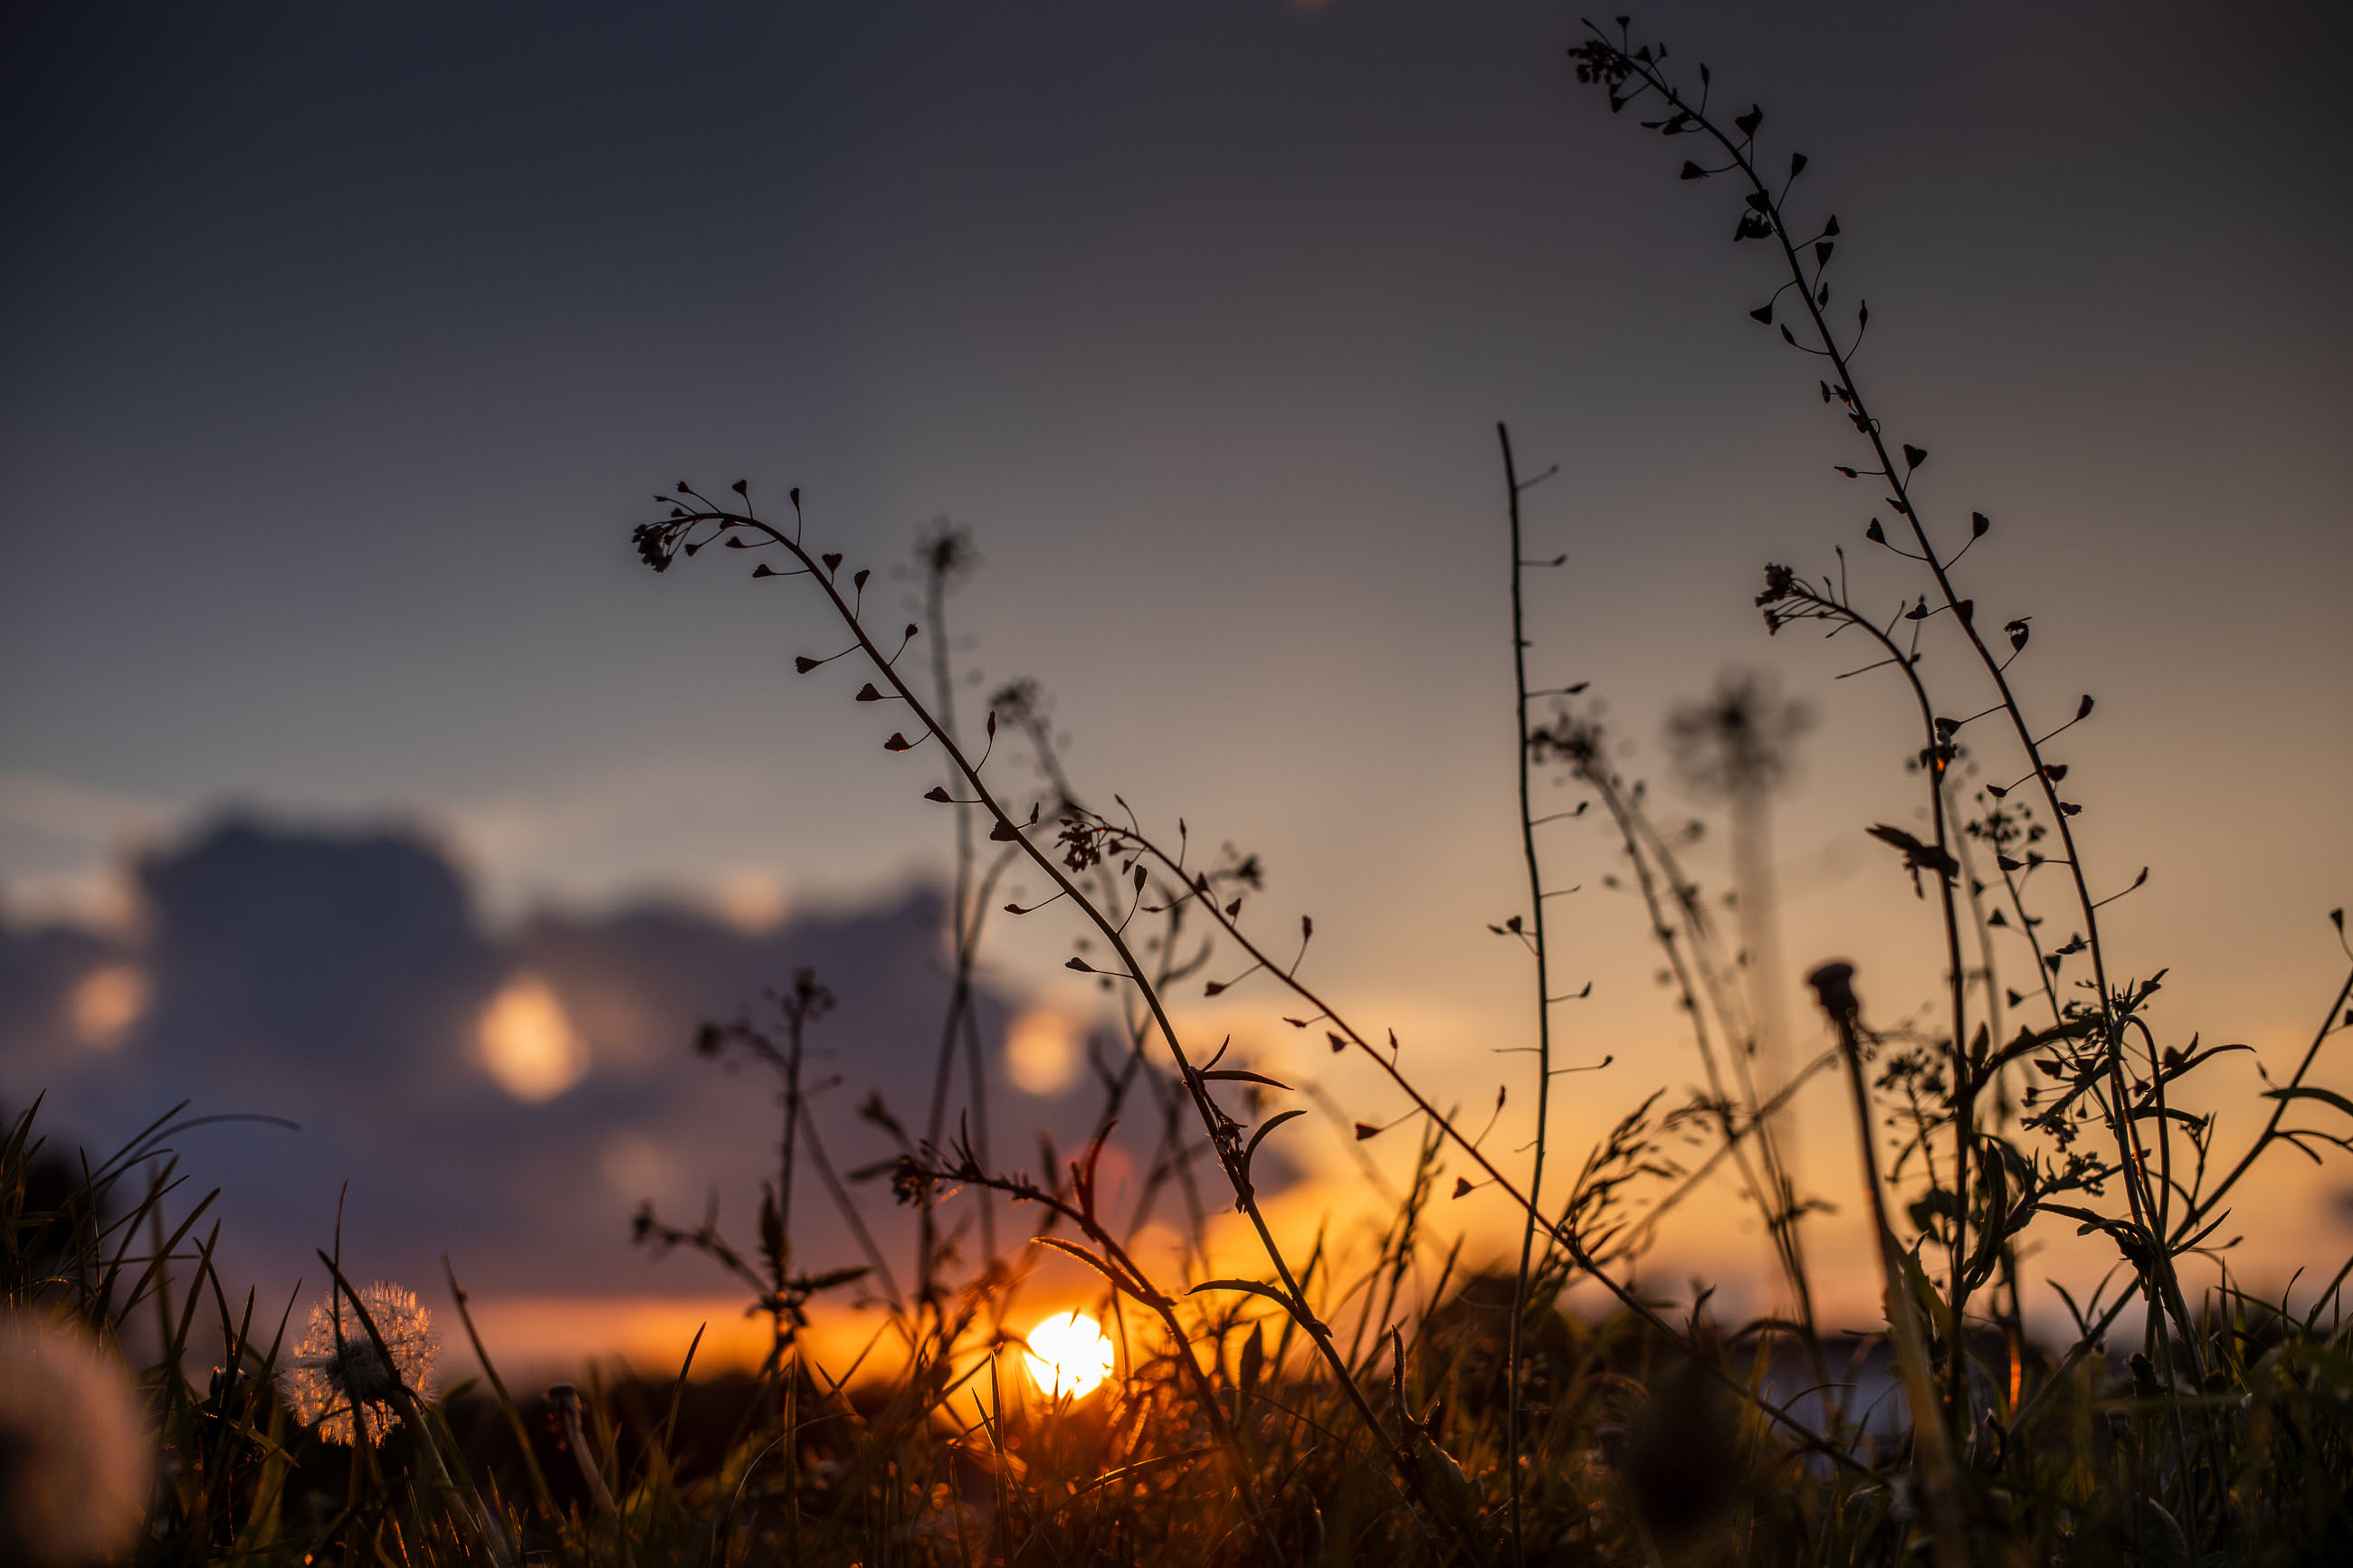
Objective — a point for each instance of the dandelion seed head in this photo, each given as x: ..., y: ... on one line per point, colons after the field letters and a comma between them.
x: 74, y: 1458
x: 337, y: 1372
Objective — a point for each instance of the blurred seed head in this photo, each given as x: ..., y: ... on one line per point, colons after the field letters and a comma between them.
x: 337, y: 1372
x: 1682, y: 1456
x: 75, y: 1460
x: 1737, y: 743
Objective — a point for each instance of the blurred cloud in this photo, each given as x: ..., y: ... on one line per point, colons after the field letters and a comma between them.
x: 508, y: 1099
x: 63, y: 809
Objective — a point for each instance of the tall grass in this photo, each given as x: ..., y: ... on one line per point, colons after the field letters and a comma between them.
x: 1320, y: 1405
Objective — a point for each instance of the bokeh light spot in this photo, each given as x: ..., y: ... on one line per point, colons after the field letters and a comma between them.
x: 106, y: 1004
x: 528, y: 1042
x: 1041, y: 1052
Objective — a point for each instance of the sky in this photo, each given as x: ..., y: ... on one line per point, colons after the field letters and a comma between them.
x: 341, y: 348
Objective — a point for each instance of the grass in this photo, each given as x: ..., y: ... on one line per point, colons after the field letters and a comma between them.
x: 1397, y: 1405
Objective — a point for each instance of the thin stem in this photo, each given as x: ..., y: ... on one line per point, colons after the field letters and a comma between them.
x: 1212, y: 1118
x: 1512, y: 1433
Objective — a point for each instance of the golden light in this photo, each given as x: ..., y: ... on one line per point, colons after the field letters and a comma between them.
x: 1069, y: 1357
x: 528, y: 1042
x: 1041, y: 1052
x: 106, y: 1003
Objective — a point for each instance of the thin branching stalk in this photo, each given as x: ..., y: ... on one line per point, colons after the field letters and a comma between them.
x: 1544, y: 1003
x: 1007, y: 828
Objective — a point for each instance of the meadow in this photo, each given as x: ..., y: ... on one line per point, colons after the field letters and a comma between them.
x: 1412, y: 1401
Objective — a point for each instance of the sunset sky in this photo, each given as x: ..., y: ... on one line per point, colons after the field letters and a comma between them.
x: 344, y: 345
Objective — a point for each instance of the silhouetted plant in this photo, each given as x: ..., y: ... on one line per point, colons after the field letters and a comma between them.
x: 1347, y: 1400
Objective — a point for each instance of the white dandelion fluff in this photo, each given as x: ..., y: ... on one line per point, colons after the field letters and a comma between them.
x: 337, y: 1372
x: 74, y: 1458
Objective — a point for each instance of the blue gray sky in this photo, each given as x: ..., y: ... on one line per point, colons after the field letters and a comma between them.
x: 341, y: 347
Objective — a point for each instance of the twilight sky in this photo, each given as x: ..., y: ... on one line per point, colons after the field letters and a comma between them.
x: 342, y: 346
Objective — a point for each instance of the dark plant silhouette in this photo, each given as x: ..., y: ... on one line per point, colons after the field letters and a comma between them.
x: 1381, y: 1396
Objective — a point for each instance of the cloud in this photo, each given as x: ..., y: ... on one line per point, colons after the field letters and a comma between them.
x: 62, y: 809
x: 509, y: 1099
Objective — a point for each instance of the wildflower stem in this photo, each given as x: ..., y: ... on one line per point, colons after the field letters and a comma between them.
x: 1513, y: 1435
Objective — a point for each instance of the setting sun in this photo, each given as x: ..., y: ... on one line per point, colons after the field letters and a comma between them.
x: 1068, y: 1355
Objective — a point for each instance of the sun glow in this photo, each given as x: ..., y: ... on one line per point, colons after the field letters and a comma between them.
x: 1069, y: 1357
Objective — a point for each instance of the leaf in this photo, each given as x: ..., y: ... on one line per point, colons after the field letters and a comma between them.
x: 1367, y: 1130
x: 898, y: 742
x: 804, y: 664
x: 1339, y: 1041
x: 1797, y: 165
x: 1763, y: 313
x: 939, y: 793
x: 867, y: 694
x: 1462, y: 1187
x: 1253, y: 1358
x: 1822, y: 248
x: 2083, y: 709
x: 832, y: 559
x: 1119, y: 1281
x: 1749, y: 121
x: 1917, y: 856
x: 1251, y: 1285
x: 1875, y: 534
x: 1693, y: 170
x: 1005, y: 833
x: 2327, y: 1097
x: 1978, y: 524
x: 1238, y: 1075
x: 1082, y: 965
x: 1259, y: 1137
x: 859, y: 581
x: 1914, y: 456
